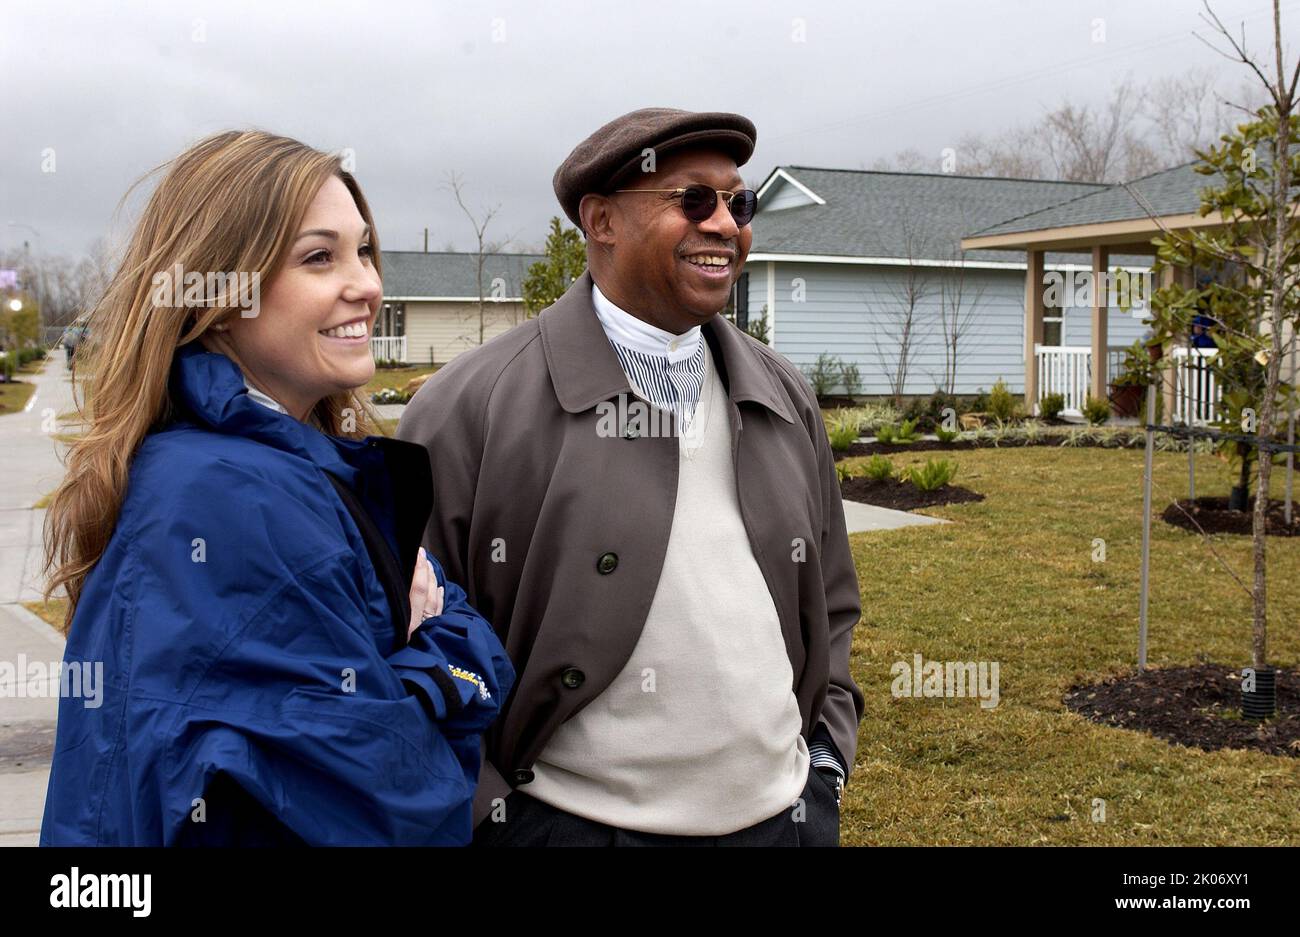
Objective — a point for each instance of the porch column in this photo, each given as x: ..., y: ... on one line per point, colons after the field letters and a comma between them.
x: 1033, y: 325
x: 1169, y: 382
x: 1100, y: 320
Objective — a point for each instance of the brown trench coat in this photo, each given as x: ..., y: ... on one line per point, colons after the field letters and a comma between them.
x: 557, y: 531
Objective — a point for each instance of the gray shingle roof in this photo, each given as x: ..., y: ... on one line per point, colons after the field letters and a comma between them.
x: 1173, y: 191
x: 417, y: 274
x: 867, y: 213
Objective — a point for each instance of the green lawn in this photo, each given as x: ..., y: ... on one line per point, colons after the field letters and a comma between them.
x: 1012, y: 580
x: 397, y: 378
x: 14, y: 396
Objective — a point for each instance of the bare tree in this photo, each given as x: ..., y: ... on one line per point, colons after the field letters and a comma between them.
x: 908, y: 160
x: 1098, y: 145
x: 904, y: 322
x: 480, y: 226
x: 1004, y: 155
x: 1139, y: 130
x: 959, y: 299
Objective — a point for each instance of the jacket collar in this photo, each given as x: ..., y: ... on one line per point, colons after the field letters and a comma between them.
x: 211, y: 390
x: 585, y: 369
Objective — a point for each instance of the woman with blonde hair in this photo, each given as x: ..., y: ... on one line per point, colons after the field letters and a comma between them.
x: 237, y: 553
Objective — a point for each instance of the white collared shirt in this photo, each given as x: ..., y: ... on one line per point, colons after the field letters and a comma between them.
x: 627, y: 330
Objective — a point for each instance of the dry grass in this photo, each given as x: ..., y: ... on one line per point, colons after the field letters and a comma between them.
x: 52, y: 611
x: 14, y: 396
x: 1013, y: 580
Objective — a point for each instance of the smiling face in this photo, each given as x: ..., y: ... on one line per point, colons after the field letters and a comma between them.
x: 311, y: 338
x: 647, y: 257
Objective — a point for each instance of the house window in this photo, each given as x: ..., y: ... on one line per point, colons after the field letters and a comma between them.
x: 1053, y: 322
x: 391, y: 321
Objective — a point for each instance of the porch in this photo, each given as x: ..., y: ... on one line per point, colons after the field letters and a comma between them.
x: 1191, y: 392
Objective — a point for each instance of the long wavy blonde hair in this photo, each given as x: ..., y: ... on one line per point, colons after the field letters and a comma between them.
x: 232, y: 202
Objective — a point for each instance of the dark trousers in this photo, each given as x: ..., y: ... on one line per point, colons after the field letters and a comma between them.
x: 813, y: 820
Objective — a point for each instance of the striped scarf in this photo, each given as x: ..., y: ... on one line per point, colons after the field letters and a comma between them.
x: 675, y: 387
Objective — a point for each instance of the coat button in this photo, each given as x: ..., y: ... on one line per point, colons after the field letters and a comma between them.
x: 607, y: 563
x: 523, y: 776
x: 572, y: 678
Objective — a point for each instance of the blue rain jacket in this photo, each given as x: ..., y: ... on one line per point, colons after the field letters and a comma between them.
x: 255, y: 690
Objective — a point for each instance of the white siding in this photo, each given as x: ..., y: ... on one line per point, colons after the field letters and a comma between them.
x: 436, y: 332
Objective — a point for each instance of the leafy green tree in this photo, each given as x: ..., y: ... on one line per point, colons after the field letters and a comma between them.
x: 566, y: 258
x: 1257, y: 249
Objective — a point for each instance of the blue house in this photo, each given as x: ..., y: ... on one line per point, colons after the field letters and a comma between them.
x: 866, y: 265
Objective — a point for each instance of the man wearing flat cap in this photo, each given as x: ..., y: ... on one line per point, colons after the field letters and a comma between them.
x: 642, y: 500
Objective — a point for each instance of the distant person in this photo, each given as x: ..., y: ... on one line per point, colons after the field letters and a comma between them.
x: 71, y: 339
x: 1203, y: 322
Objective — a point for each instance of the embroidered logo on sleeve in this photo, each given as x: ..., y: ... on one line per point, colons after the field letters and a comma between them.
x: 462, y: 674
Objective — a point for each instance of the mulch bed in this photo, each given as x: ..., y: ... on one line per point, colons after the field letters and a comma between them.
x: 903, y: 496
x: 1199, y: 707
x: 934, y: 445
x: 1213, y: 516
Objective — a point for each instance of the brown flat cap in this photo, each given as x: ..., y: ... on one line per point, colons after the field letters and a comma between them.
x: 599, y: 162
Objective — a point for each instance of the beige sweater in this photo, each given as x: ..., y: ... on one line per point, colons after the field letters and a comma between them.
x: 700, y: 732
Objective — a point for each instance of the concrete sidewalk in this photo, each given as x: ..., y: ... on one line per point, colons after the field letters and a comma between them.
x: 860, y: 517
x: 30, y: 465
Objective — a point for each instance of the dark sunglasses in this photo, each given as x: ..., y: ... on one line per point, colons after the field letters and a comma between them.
x: 700, y: 201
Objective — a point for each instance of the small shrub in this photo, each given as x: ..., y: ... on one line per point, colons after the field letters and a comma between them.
x: 1033, y: 430
x: 907, y: 432
x: 1002, y: 404
x: 946, y: 435
x: 916, y: 410
x: 872, y: 415
x: 1051, y: 406
x: 390, y: 395
x: 850, y: 379
x: 844, y: 471
x: 1096, y: 411
x: 1079, y: 436
x: 878, y: 468
x: 933, y: 475
x: 1001, y: 432
x: 938, y: 402
x: 886, y: 433
x: 822, y: 375
x: 842, y: 433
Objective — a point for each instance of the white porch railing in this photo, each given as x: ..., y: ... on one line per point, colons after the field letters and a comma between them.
x: 1067, y: 370
x: 1196, y: 394
x: 1064, y: 370
x: 388, y: 347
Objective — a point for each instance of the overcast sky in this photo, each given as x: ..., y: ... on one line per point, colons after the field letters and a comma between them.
x: 500, y: 92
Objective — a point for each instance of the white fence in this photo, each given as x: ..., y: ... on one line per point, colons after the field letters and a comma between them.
x: 388, y: 347
x: 1064, y: 370
x: 1196, y: 393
